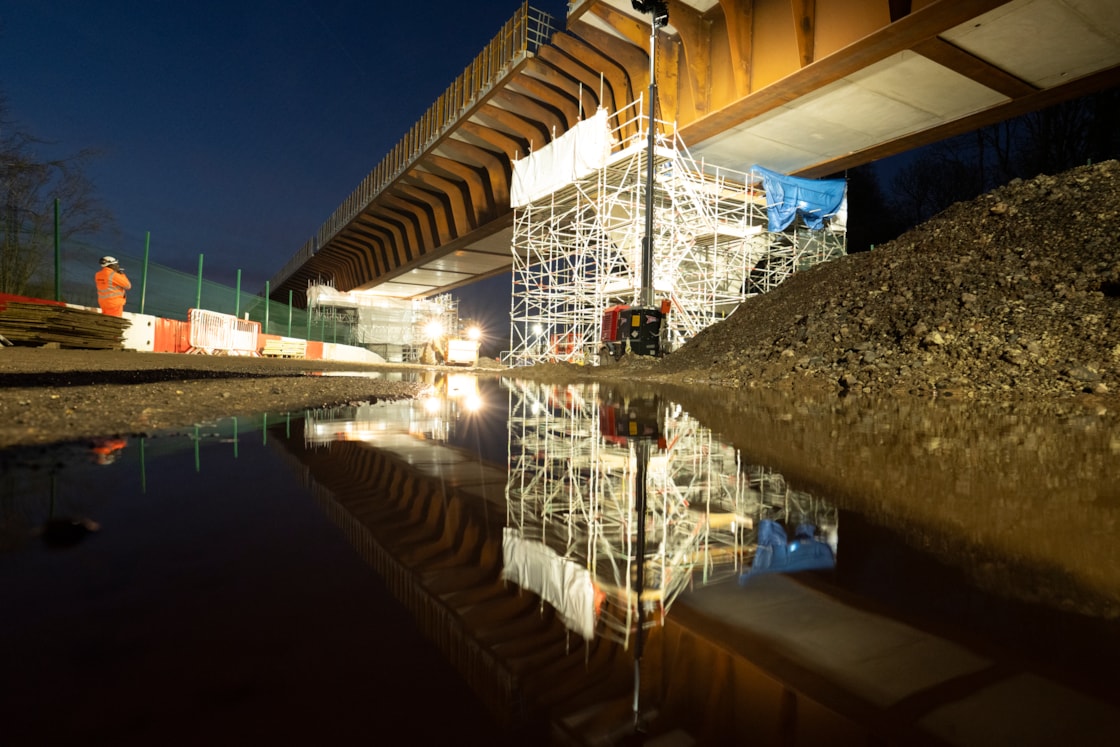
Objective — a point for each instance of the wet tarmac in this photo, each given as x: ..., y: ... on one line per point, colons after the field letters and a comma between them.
x: 469, y: 567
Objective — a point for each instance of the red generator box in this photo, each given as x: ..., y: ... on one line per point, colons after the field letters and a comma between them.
x: 611, y: 315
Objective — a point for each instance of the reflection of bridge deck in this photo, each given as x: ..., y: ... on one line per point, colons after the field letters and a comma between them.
x: 808, y: 88
x: 772, y: 663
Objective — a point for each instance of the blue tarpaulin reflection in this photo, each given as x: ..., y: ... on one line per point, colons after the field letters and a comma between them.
x: 776, y: 553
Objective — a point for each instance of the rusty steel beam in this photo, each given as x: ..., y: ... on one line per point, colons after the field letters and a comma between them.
x: 492, y: 139
x: 551, y: 121
x: 562, y: 70
x: 481, y: 209
x: 615, y: 78
x: 454, y: 193
x: 527, y: 132
x: 415, y: 215
x: 917, y: 27
x: 498, y: 171
x: 434, y: 207
x: 566, y: 93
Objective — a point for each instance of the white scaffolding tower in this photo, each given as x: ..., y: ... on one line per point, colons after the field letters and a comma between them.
x: 396, y: 329
x: 577, y: 249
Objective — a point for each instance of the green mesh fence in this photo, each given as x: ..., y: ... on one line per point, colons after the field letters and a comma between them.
x: 165, y: 292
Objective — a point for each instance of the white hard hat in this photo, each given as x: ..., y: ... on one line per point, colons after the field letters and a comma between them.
x: 106, y: 261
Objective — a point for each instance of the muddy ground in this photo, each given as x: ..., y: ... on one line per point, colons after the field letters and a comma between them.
x: 49, y: 394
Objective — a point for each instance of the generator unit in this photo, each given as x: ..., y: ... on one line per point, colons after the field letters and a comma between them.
x: 630, y: 329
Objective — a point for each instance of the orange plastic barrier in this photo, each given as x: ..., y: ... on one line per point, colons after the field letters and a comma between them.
x: 171, y: 336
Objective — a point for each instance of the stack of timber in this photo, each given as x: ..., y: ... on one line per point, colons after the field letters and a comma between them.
x: 37, y: 323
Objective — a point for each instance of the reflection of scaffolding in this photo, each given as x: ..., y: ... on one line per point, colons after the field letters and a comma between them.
x: 572, y: 488
x: 430, y: 416
x: 577, y: 250
x: 394, y: 328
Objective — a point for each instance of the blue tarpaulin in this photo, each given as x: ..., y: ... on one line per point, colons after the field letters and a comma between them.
x: 790, y: 196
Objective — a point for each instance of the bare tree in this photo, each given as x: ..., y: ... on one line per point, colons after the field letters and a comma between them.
x: 942, y: 174
x: 1044, y: 142
x: 1070, y: 134
x: 870, y: 219
x: 29, y: 186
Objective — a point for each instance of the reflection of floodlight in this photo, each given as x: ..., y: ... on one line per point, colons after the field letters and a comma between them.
x: 433, y: 329
x: 433, y: 405
x: 474, y: 333
x: 472, y: 403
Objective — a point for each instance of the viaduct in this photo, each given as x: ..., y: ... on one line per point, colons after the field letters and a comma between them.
x: 804, y: 87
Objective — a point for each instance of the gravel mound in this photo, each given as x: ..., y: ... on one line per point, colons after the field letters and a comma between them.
x: 1013, y: 294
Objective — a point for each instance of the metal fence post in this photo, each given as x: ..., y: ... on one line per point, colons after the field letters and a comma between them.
x: 57, y: 256
x: 144, y: 272
x: 198, y: 293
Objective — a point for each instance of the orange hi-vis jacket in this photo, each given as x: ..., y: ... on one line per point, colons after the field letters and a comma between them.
x: 111, y: 285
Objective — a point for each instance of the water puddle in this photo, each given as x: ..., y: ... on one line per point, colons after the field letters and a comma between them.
x: 588, y: 560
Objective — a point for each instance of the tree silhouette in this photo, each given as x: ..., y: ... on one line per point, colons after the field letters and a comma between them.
x: 29, y: 186
x: 870, y: 218
x: 1048, y: 141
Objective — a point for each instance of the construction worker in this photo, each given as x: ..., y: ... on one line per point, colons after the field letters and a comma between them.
x: 111, y: 285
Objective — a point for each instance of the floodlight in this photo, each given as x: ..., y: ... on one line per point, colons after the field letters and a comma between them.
x: 658, y: 9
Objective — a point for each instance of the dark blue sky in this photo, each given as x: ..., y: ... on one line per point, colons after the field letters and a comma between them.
x: 233, y: 128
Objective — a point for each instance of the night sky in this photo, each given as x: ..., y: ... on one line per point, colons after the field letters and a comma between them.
x: 232, y: 128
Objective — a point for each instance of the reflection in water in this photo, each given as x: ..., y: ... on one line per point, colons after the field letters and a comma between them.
x: 579, y: 532
x: 218, y: 604
x: 776, y: 552
x: 106, y: 450
x: 67, y: 531
x: 432, y: 415
x: 616, y: 507
x: 613, y: 525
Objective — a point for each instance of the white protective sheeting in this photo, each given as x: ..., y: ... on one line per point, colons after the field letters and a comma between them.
x: 563, y: 584
x: 333, y: 351
x: 575, y: 154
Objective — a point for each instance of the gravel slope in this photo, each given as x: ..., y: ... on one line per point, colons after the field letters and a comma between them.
x: 1015, y: 294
